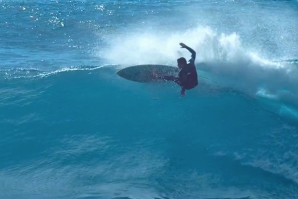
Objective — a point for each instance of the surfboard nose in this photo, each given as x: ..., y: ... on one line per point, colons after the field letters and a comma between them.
x: 124, y: 73
x: 120, y: 73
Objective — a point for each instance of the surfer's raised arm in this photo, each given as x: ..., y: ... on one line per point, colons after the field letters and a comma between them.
x: 193, y: 53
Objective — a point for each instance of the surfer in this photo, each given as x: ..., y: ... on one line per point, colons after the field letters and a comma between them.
x: 187, y: 77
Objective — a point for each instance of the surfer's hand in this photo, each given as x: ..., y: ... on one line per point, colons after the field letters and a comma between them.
x: 182, y: 45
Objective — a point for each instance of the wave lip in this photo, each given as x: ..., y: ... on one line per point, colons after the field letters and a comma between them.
x: 36, y: 73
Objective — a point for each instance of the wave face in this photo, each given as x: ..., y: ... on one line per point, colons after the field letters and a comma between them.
x: 71, y: 128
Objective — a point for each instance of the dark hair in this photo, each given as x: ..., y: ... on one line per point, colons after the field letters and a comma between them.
x: 182, y: 60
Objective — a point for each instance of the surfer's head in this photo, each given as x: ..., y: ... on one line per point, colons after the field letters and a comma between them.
x: 181, y: 62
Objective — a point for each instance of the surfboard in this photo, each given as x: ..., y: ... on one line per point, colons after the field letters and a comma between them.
x: 147, y: 73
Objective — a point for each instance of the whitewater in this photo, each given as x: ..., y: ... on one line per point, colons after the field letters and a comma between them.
x: 71, y: 128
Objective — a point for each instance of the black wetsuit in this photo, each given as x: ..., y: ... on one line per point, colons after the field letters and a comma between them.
x: 187, y: 77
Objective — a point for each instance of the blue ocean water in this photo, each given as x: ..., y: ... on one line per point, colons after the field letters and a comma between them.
x: 70, y: 128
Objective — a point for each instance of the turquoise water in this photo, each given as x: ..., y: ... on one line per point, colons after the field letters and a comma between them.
x: 71, y: 128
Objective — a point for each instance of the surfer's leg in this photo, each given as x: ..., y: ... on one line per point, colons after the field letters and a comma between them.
x: 177, y: 81
x: 172, y: 78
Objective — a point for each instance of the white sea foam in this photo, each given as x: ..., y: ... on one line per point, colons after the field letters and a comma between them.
x: 224, y: 56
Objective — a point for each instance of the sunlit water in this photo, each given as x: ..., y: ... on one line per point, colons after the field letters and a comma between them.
x: 71, y: 128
